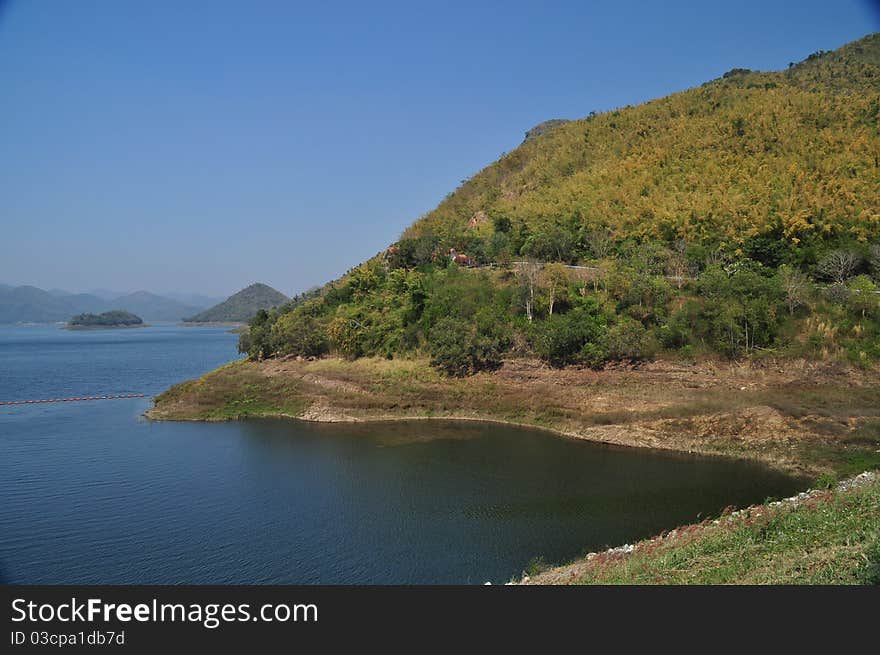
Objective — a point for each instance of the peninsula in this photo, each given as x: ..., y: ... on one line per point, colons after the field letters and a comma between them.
x: 697, y: 273
x: 652, y: 276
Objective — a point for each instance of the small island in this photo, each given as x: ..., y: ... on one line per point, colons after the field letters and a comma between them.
x: 114, y: 319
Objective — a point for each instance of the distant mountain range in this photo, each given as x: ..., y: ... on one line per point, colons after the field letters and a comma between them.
x: 194, y: 299
x: 241, y: 306
x: 28, y: 304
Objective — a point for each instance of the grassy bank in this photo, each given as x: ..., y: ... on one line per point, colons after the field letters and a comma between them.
x: 820, y: 537
x: 804, y: 417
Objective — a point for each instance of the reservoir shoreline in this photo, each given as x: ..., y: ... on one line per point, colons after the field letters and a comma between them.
x: 709, y: 409
x: 329, y: 419
x: 466, y: 501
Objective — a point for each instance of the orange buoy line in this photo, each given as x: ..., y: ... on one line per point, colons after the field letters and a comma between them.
x: 70, y: 400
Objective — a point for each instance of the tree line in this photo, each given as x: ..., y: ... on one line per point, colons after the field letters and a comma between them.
x: 415, y: 301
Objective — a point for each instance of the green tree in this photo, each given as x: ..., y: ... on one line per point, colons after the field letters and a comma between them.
x: 627, y: 340
x: 459, y: 348
x: 555, y: 282
x: 874, y: 259
x: 551, y: 244
x: 415, y: 252
x: 796, y: 287
x: 255, y: 341
x: 863, y: 297
x: 298, y: 333
x: 573, y: 337
x: 643, y: 297
x: 741, y: 308
x: 528, y: 275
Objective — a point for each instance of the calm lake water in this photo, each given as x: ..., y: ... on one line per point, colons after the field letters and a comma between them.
x: 94, y: 493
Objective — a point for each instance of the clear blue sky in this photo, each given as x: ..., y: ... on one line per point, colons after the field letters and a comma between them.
x: 201, y: 146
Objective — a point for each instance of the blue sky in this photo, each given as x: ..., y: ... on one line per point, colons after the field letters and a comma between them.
x: 202, y: 146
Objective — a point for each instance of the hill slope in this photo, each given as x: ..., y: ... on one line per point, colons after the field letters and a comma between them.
x: 709, y: 221
x: 30, y: 304
x: 792, y: 155
x: 736, y: 221
x: 241, y: 306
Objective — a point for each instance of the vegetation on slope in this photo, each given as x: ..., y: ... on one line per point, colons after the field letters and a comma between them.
x: 241, y: 306
x: 821, y: 537
x: 737, y: 219
x: 113, y: 318
x: 785, y: 160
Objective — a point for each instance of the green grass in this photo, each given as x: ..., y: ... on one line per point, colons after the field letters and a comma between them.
x: 853, y: 451
x: 232, y: 392
x: 833, y: 538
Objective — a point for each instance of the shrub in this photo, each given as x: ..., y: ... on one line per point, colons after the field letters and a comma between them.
x: 874, y: 259
x: 826, y: 481
x: 256, y: 340
x: 836, y: 293
x: 863, y: 297
x: 675, y: 333
x: 459, y: 348
x: 795, y: 286
x: 643, y: 297
x: 245, y: 342
x: 297, y: 333
x: 562, y: 338
x: 536, y: 565
x: 346, y: 337
x: 742, y: 308
x: 626, y: 340
x: 410, y: 253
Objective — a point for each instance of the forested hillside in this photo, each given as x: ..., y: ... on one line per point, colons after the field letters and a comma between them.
x: 241, y: 306
x: 791, y: 157
x: 739, y: 218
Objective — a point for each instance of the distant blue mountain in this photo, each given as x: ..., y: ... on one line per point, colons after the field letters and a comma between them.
x: 28, y: 304
x: 194, y: 299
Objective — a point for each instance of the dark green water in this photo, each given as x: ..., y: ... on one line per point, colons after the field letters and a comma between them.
x: 93, y: 493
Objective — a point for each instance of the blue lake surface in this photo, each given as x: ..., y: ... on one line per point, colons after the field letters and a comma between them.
x: 92, y: 492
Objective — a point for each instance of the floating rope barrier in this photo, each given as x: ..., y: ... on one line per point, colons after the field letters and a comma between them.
x: 70, y: 400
